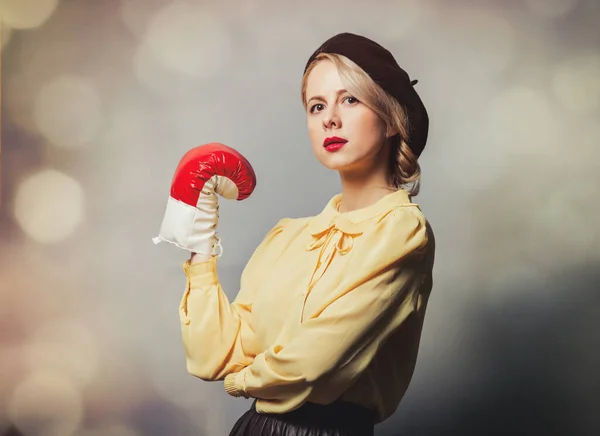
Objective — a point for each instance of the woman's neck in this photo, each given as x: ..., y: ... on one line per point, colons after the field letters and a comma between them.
x: 358, y: 193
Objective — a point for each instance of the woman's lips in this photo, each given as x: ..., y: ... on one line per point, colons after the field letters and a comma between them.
x: 334, y: 146
x: 334, y: 143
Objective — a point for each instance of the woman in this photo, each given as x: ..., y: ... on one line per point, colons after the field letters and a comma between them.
x: 325, y: 329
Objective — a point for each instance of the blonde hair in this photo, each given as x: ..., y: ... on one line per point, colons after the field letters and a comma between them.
x: 404, y: 167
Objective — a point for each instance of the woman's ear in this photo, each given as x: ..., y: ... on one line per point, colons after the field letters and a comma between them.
x: 391, y: 132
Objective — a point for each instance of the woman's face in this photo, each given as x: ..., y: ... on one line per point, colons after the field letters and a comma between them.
x: 334, y: 113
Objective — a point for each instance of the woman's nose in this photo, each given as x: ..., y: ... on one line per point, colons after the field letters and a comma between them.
x: 331, y: 120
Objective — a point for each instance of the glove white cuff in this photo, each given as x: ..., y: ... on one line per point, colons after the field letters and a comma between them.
x: 191, y: 228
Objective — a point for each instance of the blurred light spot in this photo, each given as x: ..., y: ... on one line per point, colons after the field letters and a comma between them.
x: 126, y: 124
x: 67, y: 111
x: 260, y: 18
x: 183, y: 41
x: 66, y: 347
x: 110, y: 429
x: 551, y: 8
x: 129, y: 125
x: 268, y: 51
x: 26, y: 14
x: 577, y: 83
x: 136, y: 14
x: 120, y: 384
x: 518, y: 122
x: 521, y: 121
x: 46, y: 404
x: 481, y: 42
x: 188, y: 40
x: 49, y: 206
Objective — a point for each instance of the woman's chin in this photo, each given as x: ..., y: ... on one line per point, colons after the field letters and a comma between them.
x: 335, y: 163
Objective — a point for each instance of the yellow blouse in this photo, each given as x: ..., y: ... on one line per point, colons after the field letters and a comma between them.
x: 329, y: 307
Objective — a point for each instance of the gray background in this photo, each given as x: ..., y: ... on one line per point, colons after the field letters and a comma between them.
x: 100, y: 99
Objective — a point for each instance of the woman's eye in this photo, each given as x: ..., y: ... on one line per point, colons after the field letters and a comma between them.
x: 318, y: 105
x: 351, y: 99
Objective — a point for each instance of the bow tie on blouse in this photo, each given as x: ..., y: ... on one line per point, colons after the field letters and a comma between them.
x: 334, y: 233
x: 331, y: 235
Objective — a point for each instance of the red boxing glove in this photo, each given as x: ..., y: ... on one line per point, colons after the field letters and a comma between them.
x: 192, y: 211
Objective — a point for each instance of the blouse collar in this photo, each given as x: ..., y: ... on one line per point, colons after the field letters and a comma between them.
x: 355, y: 221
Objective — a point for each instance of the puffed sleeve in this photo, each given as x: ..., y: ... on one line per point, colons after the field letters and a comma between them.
x: 217, y: 334
x: 338, y: 344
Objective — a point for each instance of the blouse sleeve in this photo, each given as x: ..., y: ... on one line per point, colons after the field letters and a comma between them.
x: 216, y: 334
x: 337, y: 345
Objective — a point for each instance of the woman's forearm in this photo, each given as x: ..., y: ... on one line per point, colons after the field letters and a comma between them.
x: 212, y: 328
x: 198, y: 257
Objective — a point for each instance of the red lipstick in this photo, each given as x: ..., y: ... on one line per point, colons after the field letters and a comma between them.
x: 334, y: 143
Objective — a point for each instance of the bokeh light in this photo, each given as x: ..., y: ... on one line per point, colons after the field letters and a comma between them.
x: 120, y: 385
x: 46, y: 404
x: 182, y: 42
x: 66, y: 347
x: 68, y: 111
x: 26, y: 14
x: 523, y: 123
x: 577, y: 83
x: 49, y: 206
x: 136, y: 14
x: 492, y: 40
x: 518, y: 125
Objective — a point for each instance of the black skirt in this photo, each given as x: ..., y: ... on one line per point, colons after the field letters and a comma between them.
x: 336, y: 419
